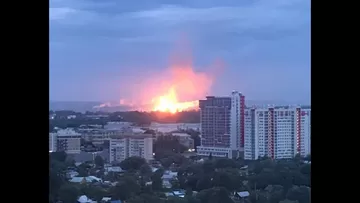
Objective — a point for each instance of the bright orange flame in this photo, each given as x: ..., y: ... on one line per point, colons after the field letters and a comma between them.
x: 175, y: 89
x: 169, y: 103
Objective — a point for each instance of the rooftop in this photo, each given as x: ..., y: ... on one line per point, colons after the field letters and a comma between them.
x: 181, y: 134
x: 131, y: 135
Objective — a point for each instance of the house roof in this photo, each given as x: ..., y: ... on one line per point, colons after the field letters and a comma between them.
x: 243, y: 194
x: 115, y: 201
x: 87, y: 179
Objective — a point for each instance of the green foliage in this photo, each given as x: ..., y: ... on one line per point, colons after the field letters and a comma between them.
x: 126, y: 188
x: 216, y: 181
x: 214, y: 195
x: 132, y: 163
x: 68, y: 193
x: 301, y: 194
x: 93, y: 192
x: 156, y: 180
x: 58, y: 156
x: 167, y: 144
x: 99, y: 161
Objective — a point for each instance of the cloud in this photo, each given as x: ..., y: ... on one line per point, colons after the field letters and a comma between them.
x: 130, y: 23
x: 250, y: 35
x: 60, y: 13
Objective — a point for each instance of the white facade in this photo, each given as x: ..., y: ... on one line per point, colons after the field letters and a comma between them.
x: 52, y: 142
x: 65, y: 140
x: 214, y: 151
x: 277, y: 132
x: 122, y: 147
x: 305, y: 138
x: 237, y: 121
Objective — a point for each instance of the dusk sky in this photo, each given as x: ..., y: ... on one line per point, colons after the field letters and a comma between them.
x: 99, y: 48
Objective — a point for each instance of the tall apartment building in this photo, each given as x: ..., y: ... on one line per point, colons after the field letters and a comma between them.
x: 237, y: 120
x: 65, y: 140
x: 277, y: 132
x: 222, y: 125
x: 124, y: 146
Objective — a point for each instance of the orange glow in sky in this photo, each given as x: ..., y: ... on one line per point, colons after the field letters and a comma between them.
x: 182, y: 86
x: 174, y: 89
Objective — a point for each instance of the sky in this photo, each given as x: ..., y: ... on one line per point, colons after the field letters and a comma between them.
x: 99, y: 48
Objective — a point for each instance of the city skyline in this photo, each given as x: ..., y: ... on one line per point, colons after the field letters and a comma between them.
x: 99, y: 48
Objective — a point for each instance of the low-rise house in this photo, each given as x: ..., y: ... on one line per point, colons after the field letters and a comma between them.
x: 106, y: 199
x: 166, y: 184
x: 88, y: 179
x: 175, y: 193
x: 85, y: 199
x: 241, y: 195
x: 113, y: 169
x: 169, y: 175
x: 71, y: 174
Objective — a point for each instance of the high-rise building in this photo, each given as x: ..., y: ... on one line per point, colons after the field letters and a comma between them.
x: 222, y: 125
x: 277, y: 132
x: 128, y: 145
x: 237, y: 127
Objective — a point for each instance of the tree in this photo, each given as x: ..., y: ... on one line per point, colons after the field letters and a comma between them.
x: 225, y: 163
x: 83, y: 169
x: 165, y: 145
x: 288, y: 201
x: 176, y: 200
x: 275, y: 193
x: 208, y: 167
x: 146, y: 198
x: 157, y: 180
x: 301, y: 194
x: 175, y: 184
x: 68, y: 193
x: 145, y: 170
x: 57, y: 176
x: 132, y: 163
x: 305, y: 169
x: 126, y: 188
x: 204, y: 182
x: 58, y: 156
x: 169, y: 158
x: 229, y: 179
x: 93, y: 192
x: 214, y: 195
x: 99, y: 161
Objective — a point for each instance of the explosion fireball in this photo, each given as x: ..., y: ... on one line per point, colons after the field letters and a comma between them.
x: 170, y: 103
x: 176, y: 89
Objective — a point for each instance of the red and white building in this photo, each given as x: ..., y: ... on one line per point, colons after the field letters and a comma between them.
x: 277, y: 132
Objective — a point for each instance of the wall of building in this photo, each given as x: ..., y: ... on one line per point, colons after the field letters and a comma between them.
x: 237, y: 127
x: 278, y: 133
x: 65, y: 140
x: 124, y: 146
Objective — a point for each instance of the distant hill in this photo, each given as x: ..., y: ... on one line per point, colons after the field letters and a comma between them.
x: 89, y: 106
x: 73, y: 106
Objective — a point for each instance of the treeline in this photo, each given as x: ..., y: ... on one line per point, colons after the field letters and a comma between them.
x: 140, y: 118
